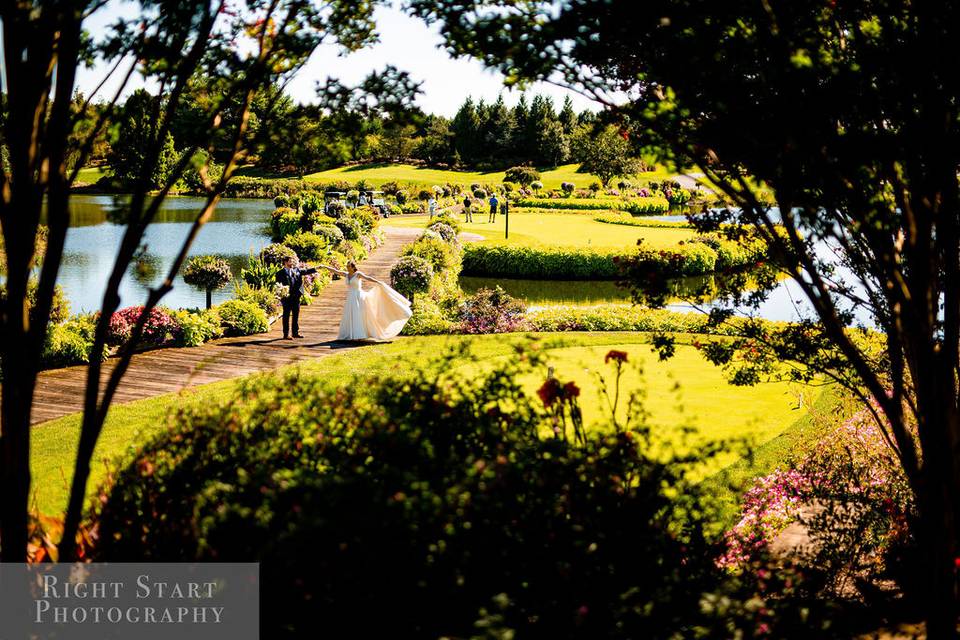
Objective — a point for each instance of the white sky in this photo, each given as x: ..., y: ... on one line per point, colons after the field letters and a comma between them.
x: 405, y: 42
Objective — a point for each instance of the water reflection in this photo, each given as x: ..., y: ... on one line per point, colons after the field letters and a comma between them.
x: 238, y: 228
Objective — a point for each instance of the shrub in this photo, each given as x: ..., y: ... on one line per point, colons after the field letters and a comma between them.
x: 350, y: 227
x: 336, y: 209
x: 307, y: 246
x: 567, y: 188
x: 595, y: 187
x: 309, y: 220
x: 283, y: 222
x: 353, y: 250
x: 395, y: 210
x: 242, y: 318
x: 421, y: 500
x: 521, y: 175
x: 444, y: 230
x: 258, y: 274
x: 275, y: 255
x: 70, y: 343
x: 59, y: 308
x: 352, y: 196
x: 492, y: 311
x: 536, y: 185
x: 401, y: 197
x: 330, y: 233
x: 160, y: 327
x: 311, y: 202
x: 676, y: 195
x: 265, y: 298
x: 559, y: 263
x: 435, y: 251
x: 207, y: 273
x: 641, y: 206
x: 411, y: 275
x: 282, y: 201
x: 198, y: 326
x: 479, y: 194
x: 633, y: 221
x: 447, y: 218
x: 366, y: 218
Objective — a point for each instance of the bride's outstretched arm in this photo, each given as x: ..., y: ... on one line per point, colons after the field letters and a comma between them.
x: 364, y: 276
x: 333, y: 269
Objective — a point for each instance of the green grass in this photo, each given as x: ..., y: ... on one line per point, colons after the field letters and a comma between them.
x: 560, y: 229
x: 377, y: 174
x: 685, y: 389
x: 89, y: 175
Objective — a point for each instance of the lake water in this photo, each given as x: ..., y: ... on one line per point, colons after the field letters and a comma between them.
x: 238, y: 228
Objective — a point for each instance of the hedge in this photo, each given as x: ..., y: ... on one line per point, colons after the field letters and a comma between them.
x: 629, y: 220
x: 642, y: 206
x: 545, y: 263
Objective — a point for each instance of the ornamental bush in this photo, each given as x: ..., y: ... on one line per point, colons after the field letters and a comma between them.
x: 492, y: 311
x: 351, y: 228
x: 479, y: 194
x: 69, y: 343
x: 567, y: 188
x: 401, y: 196
x: 521, y: 175
x: 307, y: 246
x: 411, y: 275
x: 444, y: 230
x: 59, y: 308
x: 417, y: 507
x: 441, y: 256
x: 638, y: 206
x: 449, y: 219
x: 547, y: 263
x: 330, y: 233
x: 198, y: 326
x: 633, y: 221
x: 366, y: 217
x: 310, y: 220
x: 265, y: 298
x: 160, y: 328
x: 207, y: 273
x: 276, y: 255
x: 283, y: 222
x: 242, y: 318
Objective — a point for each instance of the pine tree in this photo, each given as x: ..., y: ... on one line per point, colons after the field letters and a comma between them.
x: 567, y: 117
x: 466, y: 129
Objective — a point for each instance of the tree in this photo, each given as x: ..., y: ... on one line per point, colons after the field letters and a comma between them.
x: 554, y: 145
x: 466, y: 131
x: 207, y: 273
x: 397, y: 141
x: 521, y: 175
x: 134, y: 131
x: 169, y: 43
x: 436, y: 144
x: 607, y: 156
x: 824, y: 105
x: 567, y: 116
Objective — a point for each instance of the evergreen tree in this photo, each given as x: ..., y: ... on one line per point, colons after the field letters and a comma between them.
x: 498, y: 134
x: 568, y: 117
x: 466, y: 131
x: 520, y: 146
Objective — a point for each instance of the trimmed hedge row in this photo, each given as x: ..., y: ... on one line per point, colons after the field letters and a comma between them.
x: 642, y: 206
x: 629, y: 220
x: 543, y: 263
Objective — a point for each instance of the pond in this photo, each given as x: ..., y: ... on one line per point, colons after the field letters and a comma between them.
x: 238, y: 228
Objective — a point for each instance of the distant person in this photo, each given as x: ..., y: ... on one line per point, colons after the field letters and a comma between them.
x: 432, y: 206
x: 466, y: 209
x: 494, y: 203
x: 504, y: 207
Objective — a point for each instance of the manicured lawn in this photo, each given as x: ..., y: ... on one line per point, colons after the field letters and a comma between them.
x: 377, y: 174
x: 685, y: 390
x: 90, y: 175
x: 559, y: 229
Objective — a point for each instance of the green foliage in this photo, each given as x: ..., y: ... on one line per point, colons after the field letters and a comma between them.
x: 242, y: 318
x: 264, y: 298
x: 198, y: 326
x: 307, y: 245
x: 629, y: 220
x: 640, y: 206
x: 351, y: 228
x: 207, y: 273
x: 441, y: 256
x: 421, y: 500
x: 550, y: 263
x: 59, y: 308
x: 69, y: 343
x: 284, y: 221
x: 521, y: 175
x: 447, y: 218
x: 258, y: 273
x: 330, y: 233
x: 608, y: 155
x: 135, y: 136
x: 275, y: 255
x: 411, y: 275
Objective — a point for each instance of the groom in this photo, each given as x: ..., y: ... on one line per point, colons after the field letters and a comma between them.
x: 292, y: 277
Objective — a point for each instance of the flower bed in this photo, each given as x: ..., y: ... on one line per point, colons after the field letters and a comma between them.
x: 629, y: 220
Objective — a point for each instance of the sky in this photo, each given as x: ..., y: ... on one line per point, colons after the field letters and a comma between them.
x: 406, y: 43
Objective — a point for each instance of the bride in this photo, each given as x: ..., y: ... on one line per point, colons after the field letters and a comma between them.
x: 377, y: 314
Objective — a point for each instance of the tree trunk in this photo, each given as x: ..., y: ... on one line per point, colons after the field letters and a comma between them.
x: 209, y: 298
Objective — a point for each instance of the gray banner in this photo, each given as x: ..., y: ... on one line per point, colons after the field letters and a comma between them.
x: 142, y: 601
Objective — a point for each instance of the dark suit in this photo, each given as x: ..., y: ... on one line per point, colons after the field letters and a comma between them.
x: 291, y: 304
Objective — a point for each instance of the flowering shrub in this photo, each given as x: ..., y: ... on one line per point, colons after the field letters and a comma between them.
x: 441, y: 256
x: 276, y: 255
x: 492, y: 311
x: 445, y: 231
x: 307, y: 245
x: 411, y: 275
x: 207, y: 273
x: 857, y: 503
x: 266, y: 299
x: 676, y: 195
x: 332, y: 234
x: 69, y: 343
x: 160, y: 327
x: 283, y: 222
x: 447, y: 218
x: 351, y: 228
x: 567, y: 188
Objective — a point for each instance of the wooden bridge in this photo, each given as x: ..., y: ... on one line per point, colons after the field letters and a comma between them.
x: 59, y: 392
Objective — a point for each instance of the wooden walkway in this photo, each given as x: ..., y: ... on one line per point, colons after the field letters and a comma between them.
x: 59, y: 392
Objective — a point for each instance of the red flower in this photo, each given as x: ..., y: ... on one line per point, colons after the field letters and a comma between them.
x: 616, y: 356
x: 571, y: 390
x: 549, y: 392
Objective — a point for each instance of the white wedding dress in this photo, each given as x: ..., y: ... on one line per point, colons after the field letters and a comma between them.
x: 376, y: 314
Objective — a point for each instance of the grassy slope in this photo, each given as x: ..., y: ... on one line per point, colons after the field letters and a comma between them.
x: 561, y: 229
x: 760, y: 413
x: 377, y: 174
